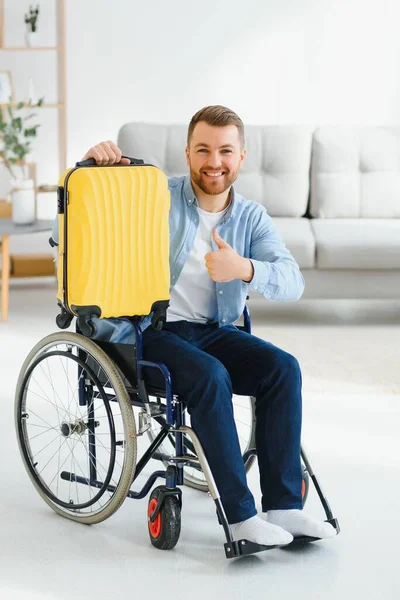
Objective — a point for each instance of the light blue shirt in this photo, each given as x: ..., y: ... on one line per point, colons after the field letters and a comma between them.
x: 249, y: 230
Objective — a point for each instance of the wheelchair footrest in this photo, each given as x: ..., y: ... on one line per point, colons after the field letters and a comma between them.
x: 305, y: 539
x: 242, y: 547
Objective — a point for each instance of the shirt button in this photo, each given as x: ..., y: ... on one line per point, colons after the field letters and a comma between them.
x: 223, y: 320
x: 220, y: 292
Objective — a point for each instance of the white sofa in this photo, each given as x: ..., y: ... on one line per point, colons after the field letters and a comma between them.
x: 333, y: 193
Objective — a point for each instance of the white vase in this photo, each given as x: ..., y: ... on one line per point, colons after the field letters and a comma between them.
x: 23, y: 201
x: 30, y: 38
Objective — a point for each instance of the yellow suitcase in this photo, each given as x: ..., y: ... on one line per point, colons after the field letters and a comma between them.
x: 113, y: 243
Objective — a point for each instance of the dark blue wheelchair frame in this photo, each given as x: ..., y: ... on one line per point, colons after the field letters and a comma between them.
x: 175, y: 423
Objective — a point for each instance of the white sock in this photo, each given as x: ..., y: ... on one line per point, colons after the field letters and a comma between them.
x: 297, y: 523
x: 257, y: 530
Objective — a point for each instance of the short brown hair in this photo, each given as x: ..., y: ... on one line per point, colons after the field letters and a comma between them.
x: 217, y: 116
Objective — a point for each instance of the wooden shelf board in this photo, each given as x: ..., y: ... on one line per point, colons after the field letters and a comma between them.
x: 40, y: 191
x: 34, y: 48
x: 26, y: 105
x: 30, y: 275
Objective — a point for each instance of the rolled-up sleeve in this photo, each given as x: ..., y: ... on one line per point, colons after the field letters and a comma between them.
x: 277, y: 275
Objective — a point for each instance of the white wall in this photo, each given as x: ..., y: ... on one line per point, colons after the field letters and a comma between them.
x: 273, y: 61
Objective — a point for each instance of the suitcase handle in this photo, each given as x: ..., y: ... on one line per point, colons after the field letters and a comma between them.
x: 91, y: 162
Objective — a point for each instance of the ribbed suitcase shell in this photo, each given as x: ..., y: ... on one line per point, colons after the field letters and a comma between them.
x: 117, y: 239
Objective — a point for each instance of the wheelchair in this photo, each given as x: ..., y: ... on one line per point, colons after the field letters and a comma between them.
x: 78, y: 433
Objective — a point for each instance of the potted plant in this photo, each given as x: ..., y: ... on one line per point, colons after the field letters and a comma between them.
x: 16, y: 138
x: 31, y: 19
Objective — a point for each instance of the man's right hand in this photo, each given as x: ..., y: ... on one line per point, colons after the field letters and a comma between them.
x: 106, y: 153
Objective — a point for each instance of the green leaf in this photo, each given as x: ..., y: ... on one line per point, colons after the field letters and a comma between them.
x: 15, y: 138
x: 30, y: 132
x: 17, y: 124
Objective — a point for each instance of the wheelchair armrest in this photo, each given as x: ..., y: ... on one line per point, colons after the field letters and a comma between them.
x: 246, y: 319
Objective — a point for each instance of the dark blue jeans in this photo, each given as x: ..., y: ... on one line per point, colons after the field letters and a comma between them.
x: 208, y: 364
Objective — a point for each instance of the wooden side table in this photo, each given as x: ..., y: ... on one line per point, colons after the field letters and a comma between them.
x: 8, y: 228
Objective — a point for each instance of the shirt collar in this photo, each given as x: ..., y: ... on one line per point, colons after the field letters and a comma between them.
x: 191, y: 198
x: 188, y: 191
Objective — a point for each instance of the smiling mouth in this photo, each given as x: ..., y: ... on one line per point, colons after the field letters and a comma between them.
x: 214, y: 175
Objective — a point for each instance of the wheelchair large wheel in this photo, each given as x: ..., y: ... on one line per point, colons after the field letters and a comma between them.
x: 244, y: 413
x: 75, y: 428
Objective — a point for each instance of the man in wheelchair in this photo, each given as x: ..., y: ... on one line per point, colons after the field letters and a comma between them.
x: 222, y: 244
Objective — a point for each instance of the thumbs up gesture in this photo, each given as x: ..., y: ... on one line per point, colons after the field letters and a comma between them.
x: 225, y: 264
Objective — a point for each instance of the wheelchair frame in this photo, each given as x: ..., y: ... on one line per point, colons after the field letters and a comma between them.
x: 175, y: 420
x: 174, y: 424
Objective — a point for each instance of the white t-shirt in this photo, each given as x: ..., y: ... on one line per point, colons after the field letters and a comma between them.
x: 194, y: 296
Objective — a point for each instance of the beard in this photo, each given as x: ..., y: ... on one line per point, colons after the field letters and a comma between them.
x: 214, y: 187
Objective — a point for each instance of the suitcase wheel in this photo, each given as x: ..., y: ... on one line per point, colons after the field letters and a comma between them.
x: 63, y: 320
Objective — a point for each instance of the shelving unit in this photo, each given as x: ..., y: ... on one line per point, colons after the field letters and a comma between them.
x: 60, y: 104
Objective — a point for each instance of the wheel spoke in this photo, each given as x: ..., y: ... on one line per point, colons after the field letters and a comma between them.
x: 46, y: 400
x: 51, y: 458
x: 47, y: 429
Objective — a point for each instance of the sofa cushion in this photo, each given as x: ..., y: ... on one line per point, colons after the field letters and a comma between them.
x: 159, y: 145
x: 357, y: 243
x: 274, y: 173
x: 298, y: 238
x: 355, y: 172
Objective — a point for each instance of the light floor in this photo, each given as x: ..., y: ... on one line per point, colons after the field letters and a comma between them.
x: 350, y: 358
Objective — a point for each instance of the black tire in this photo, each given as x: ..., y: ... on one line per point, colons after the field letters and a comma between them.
x: 164, y: 532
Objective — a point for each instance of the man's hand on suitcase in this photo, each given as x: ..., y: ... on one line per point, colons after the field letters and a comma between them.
x: 106, y: 153
x: 225, y: 264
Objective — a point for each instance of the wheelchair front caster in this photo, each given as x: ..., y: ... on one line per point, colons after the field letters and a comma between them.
x: 164, y: 519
